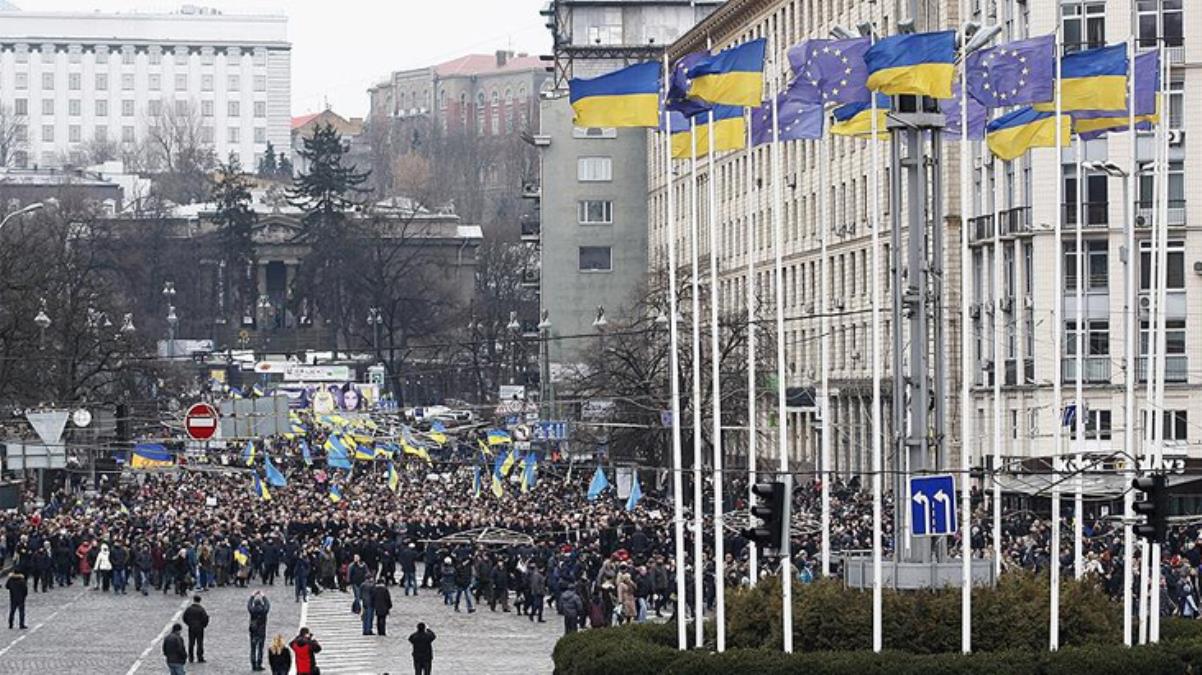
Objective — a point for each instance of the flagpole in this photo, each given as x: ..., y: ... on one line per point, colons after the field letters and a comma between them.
x: 877, y: 597
x: 698, y: 506
x: 716, y: 395
x: 1079, y: 357
x: 1162, y: 220
x: 1057, y: 335
x: 753, y: 561
x: 824, y: 347
x: 999, y: 370
x: 674, y: 375
x: 965, y: 360
x: 1130, y: 351
x: 786, y: 562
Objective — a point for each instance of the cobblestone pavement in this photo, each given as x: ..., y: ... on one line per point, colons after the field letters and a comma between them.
x: 77, y: 630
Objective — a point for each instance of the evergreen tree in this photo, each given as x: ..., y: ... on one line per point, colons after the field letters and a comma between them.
x: 284, y: 169
x: 267, y: 166
x: 328, y: 189
x: 235, y: 219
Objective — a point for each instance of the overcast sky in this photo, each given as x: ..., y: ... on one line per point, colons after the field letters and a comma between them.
x: 341, y: 47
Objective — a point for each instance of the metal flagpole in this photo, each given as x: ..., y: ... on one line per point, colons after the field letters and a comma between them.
x: 877, y: 599
x: 1130, y: 351
x: 786, y: 548
x: 716, y: 394
x: 1158, y: 420
x: 674, y: 374
x: 753, y: 551
x: 1079, y: 357
x: 824, y: 347
x: 965, y: 359
x: 991, y: 163
x: 698, y: 507
x: 1057, y: 336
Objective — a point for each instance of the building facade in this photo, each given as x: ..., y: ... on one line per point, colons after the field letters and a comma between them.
x: 72, y: 81
x: 592, y: 209
x: 1022, y: 193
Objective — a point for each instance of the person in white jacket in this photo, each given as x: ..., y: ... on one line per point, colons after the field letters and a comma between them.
x: 104, y: 568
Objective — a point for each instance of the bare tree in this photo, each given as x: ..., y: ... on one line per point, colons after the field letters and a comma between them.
x: 14, y: 134
x: 178, y: 154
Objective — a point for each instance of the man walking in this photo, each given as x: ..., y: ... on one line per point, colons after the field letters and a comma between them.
x: 196, y: 619
x: 408, y: 560
x: 258, y: 606
x: 174, y: 651
x: 381, y: 600
x: 423, y: 649
x: 18, y: 590
x: 537, y: 584
x: 570, y: 607
x: 368, y: 606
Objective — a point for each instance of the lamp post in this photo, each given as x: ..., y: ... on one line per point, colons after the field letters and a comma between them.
x: 172, y: 319
x: 36, y: 206
x: 544, y: 377
x: 375, y: 319
x: 514, y: 327
x: 42, y: 320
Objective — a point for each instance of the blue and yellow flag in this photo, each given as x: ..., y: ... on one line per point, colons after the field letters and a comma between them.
x: 259, y: 487
x: 1012, y: 135
x: 728, y: 129
x: 1091, y: 124
x: 364, y: 452
x: 151, y: 456
x: 394, y: 478
x: 497, y: 489
x: 624, y: 98
x: 335, y: 494
x: 242, y: 555
x: 1094, y: 79
x: 336, y: 454
x: 529, y: 472
x: 438, y: 433
x: 485, y: 452
x: 921, y: 64
x: 855, y: 119
x: 507, y: 464
x: 248, y: 453
x: 498, y: 437
x: 274, y: 476
x: 733, y: 76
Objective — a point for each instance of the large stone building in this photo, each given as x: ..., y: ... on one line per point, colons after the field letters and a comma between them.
x: 70, y: 80
x: 592, y: 236
x: 1027, y: 207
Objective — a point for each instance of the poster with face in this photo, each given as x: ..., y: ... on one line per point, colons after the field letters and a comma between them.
x: 350, y: 398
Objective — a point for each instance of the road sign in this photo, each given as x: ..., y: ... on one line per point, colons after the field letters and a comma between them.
x: 201, y: 422
x: 932, y: 506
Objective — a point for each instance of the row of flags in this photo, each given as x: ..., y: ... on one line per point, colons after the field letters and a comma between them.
x: 706, y: 95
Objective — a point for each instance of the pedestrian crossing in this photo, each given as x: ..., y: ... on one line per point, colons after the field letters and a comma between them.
x: 345, y: 650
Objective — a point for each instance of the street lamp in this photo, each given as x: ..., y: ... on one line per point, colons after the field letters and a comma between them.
x: 375, y: 319
x: 42, y: 320
x: 36, y: 206
x: 600, y: 322
x: 172, y: 322
x: 544, y: 378
x: 514, y: 327
x: 127, y: 325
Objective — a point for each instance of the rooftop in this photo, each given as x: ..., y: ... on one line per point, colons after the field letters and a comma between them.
x: 483, y: 64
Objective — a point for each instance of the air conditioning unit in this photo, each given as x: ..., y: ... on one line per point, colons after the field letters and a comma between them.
x: 1145, y: 302
x: 1028, y: 302
x: 1006, y: 304
x: 975, y: 311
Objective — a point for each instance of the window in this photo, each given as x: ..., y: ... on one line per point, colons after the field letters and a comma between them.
x: 155, y: 56
x: 73, y: 81
x: 20, y: 106
x: 102, y: 108
x: 181, y: 83
x: 206, y: 57
x: 48, y: 54
x: 1097, y: 338
x: 206, y: 108
x: 74, y: 55
x: 233, y: 83
x: 1097, y: 269
x: 233, y: 108
x: 1176, y: 99
x: 48, y: 132
x: 102, y: 82
x: 127, y: 134
x: 48, y: 81
x: 1084, y: 25
x: 260, y: 109
x: 605, y: 27
x: 154, y: 81
x: 154, y: 107
x: 74, y: 107
x: 47, y: 106
x: 206, y: 82
x: 260, y: 83
x: 21, y: 81
x: 181, y: 108
x: 595, y: 259
x: 127, y: 108
x: 102, y: 55
x: 22, y: 133
x: 596, y: 212
x: 594, y: 132
x: 1147, y: 186
x: 74, y: 134
x: 127, y: 56
x: 1097, y: 425
x: 260, y: 57
x: 206, y: 134
x: 594, y: 169
x: 234, y: 135
x: 260, y: 134
x: 1160, y: 19
x: 1176, y: 266
x: 101, y: 133
x: 127, y: 82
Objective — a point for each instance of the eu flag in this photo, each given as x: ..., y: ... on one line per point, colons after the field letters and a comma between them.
x: 733, y: 76
x: 977, y: 116
x: 797, y: 119
x: 625, y: 98
x: 921, y: 64
x: 678, y: 87
x: 831, y: 71
x: 1016, y: 73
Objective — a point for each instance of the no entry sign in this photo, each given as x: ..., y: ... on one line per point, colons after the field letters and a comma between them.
x: 201, y: 422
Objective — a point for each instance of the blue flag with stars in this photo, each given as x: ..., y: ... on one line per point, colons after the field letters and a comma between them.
x: 831, y: 71
x: 1016, y: 73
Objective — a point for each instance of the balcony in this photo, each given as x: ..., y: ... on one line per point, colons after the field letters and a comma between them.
x: 980, y: 228
x: 1145, y: 213
x: 530, y: 278
x: 531, y: 227
x: 531, y: 191
x: 1015, y: 221
x: 1176, y: 368
x: 1096, y: 369
x: 1096, y: 214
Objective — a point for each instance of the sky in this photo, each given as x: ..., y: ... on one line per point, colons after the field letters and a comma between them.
x: 341, y: 48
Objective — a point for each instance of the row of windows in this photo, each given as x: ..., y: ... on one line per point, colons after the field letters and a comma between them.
x: 154, y: 55
x: 154, y: 82
x: 100, y: 132
x: 153, y: 107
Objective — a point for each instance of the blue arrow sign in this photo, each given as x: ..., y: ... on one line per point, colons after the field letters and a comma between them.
x: 932, y: 506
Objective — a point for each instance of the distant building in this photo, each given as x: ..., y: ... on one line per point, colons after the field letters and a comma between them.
x: 21, y: 187
x: 75, y: 80
x: 351, y: 131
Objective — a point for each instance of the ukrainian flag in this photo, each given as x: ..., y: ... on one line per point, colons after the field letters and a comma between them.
x: 917, y: 63
x: 1094, y: 79
x: 1012, y: 135
x: 335, y: 494
x: 242, y: 556
x: 855, y: 119
x: 438, y: 433
x: 248, y: 453
x: 260, y: 488
x: 394, y: 478
x: 507, y: 465
x: 731, y: 77
x: 498, y: 437
x: 151, y: 456
x: 484, y: 451
x: 364, y: 452
x: 729, y: 130
x: 497, y: 489
x: 530, y: 472
x: 624, y: 98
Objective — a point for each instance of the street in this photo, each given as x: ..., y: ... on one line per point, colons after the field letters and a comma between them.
x: 81, y: 630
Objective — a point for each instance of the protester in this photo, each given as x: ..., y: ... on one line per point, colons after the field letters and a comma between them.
x: 258, y: 606
x: 279, y: 657
x: 196, y: 618
x: 18, y: 590
x: 305, y: 649
x: 381, y: 601
x: 423, y: 649
x: 175, y: 651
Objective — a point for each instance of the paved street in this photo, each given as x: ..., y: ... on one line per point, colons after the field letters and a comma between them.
x: 76, y: 630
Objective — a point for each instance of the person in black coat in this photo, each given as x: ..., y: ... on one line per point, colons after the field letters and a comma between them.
x: 381, y: 601
x: 423, y: 649
x: 196, y: 619
x: 174, y: 650
x: 408, y: 559
x: 18, y: 590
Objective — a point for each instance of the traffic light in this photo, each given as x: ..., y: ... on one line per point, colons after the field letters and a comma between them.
x: 1154, y: 507
x: 772, y: 508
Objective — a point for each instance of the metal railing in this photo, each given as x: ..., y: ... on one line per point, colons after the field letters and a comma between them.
x: 980, y: 228
x: 1015, y: 221
x: 1097, y: 214
x: 1096, y: 369
x: 1176, y: 368
x: 1145, y: 213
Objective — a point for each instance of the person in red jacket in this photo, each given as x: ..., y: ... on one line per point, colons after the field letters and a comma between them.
x: 305, y: 649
